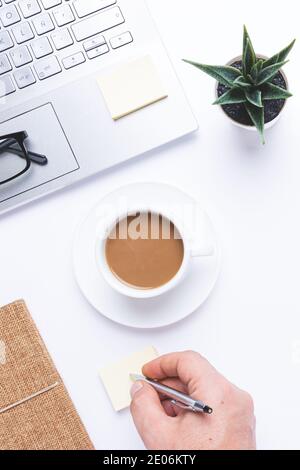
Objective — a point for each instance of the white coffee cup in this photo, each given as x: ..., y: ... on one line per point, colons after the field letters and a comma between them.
x: 191, y: 250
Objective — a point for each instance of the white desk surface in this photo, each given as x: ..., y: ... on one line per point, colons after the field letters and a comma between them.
x: 250, y: 326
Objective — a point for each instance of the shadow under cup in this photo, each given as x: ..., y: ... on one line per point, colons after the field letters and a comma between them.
x: 144, y: 251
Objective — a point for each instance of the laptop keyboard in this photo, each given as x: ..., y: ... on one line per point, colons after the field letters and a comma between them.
x: 35, y: 36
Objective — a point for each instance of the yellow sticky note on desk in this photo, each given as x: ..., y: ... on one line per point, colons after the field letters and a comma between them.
x: 116, y: 380
x: 131, y: 87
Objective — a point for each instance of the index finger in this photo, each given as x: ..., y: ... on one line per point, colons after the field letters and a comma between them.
x: 187, y: 366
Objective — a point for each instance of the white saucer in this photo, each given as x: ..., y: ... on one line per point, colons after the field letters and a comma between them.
x: 145, y: 313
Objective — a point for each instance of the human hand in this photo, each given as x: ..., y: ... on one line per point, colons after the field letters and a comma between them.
x: 163, y: 426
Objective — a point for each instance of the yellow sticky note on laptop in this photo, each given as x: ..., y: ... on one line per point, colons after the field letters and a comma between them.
x: 116, y: 380
x: 131, y: 87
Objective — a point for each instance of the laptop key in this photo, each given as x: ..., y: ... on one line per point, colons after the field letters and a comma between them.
x: 5, y: 41
x: 22, y: 32
x: 62, y: 38
x: 5, y: 65
x: 6, y: 86
x: 41, y: 47
x: 21, y: 56
x: 51, y: 3
x: 47, y: 67
x: 29, y: 8
x: 94, y: 42
x: 97, y: 24
x: 24, y: 77
x: 9, y: 15
x: 63, y: 15
x: 43, y: 23
x: 98, y: 51
x: 121, y: 40
x: 73, y: 60
x: 85, y: 8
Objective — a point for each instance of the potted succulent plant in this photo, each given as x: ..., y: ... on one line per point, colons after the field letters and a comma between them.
x: 252, y: 89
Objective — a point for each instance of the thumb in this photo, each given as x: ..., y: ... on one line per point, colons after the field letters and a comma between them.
x: 148, y: 414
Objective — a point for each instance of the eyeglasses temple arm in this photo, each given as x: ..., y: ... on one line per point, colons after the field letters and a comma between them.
x: 9, y: 144
x: 34, y: 157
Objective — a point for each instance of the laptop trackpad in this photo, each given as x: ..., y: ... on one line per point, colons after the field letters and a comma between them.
x: 45, y: 136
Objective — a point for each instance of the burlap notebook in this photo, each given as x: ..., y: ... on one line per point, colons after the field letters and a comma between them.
x: 36, y: 411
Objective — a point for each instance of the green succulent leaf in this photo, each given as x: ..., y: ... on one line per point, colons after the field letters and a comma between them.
x: 256, y: 69
x: 250, y: 79
x: 268, y: 73
x: 242, y: 82
x: 254, y: 97
x: 273, y: 92
x: 249, y: 58
x: 280, y: 57
x: 247, y: 38
x: 223, y: 74
x: 254, y: 73
x: 257, y: 117
x: 233, y: 96
x: 260, y: 64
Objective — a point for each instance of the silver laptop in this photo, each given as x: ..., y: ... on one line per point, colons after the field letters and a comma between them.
x: 52, y: 53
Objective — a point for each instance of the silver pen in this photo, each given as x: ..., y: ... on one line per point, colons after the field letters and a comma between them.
x: 177, y: 398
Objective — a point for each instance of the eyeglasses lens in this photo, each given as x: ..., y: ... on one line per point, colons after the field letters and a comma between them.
x: 12, y: 159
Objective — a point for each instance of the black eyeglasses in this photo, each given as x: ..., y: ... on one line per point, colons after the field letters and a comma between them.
x: 15, y: 158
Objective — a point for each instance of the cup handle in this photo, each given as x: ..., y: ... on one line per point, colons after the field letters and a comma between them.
x: 203, y: 252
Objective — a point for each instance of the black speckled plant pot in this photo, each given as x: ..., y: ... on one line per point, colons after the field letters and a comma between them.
x: 237, y: 112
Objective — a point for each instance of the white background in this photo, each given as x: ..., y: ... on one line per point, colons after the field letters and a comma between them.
x: 250, y: 326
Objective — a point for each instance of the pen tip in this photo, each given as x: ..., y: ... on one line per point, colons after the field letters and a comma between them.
x: 135, y: 377
x: 208, y: 410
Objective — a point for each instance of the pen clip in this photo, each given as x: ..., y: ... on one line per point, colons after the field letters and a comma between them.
x: 182, y: 405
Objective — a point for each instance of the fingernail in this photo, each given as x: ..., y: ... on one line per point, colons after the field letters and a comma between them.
x: 135, y: 388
